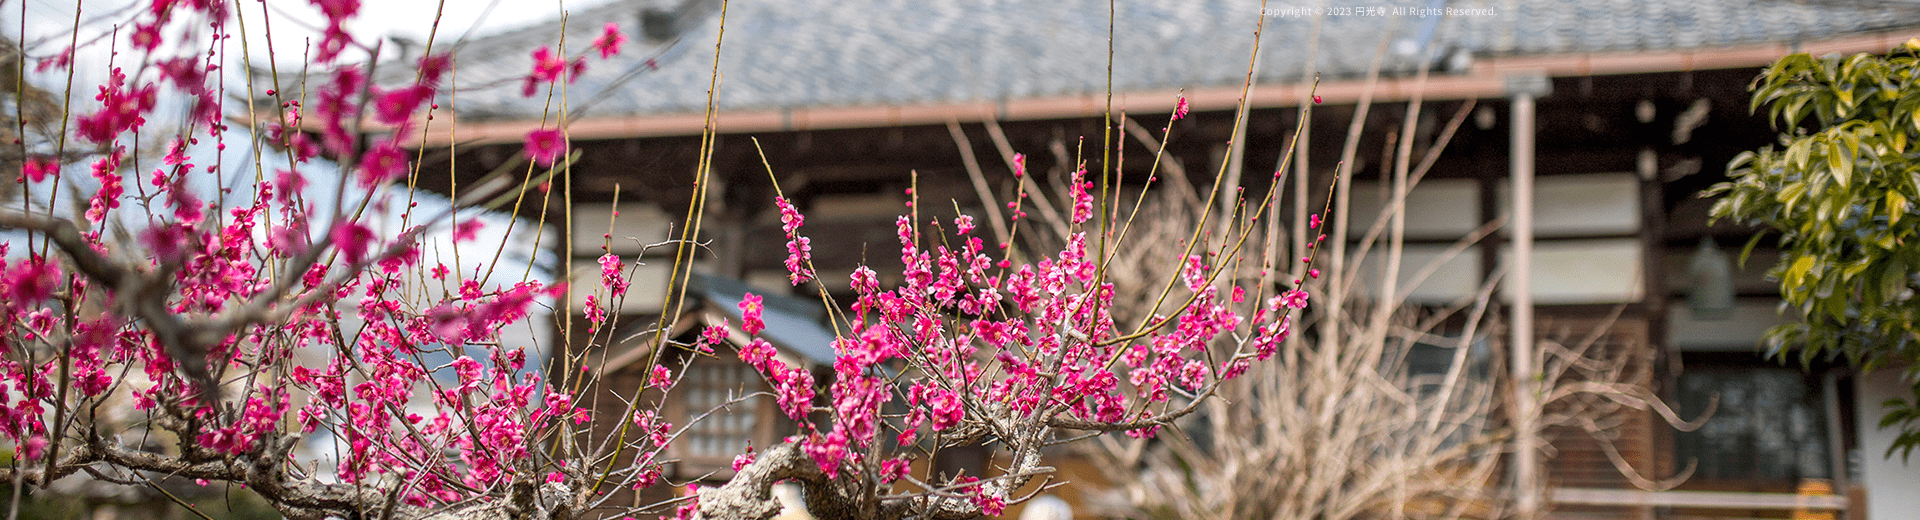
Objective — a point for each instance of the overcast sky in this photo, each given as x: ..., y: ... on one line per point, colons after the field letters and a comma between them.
x: 294, y: 22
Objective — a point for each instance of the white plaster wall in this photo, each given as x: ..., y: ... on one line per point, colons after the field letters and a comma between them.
x: 1580, y: 204
x: 1439, y: 208
x: 1453, y: 276
x: 644, y: 295
x: 1743, y: 330
x: 637, y: 226
x: 1893, y: 487
x: 1605, y: 270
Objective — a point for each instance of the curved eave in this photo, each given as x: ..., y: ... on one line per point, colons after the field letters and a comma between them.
x: 1485, y: 79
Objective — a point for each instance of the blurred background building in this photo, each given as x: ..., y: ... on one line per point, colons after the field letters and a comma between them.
x: 1616, y: 114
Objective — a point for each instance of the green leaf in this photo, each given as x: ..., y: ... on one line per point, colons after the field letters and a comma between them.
x: 1798, y: 152
x: 1748, y: 250
x: 1797, y: 273
x: 1896, y: 206
x: 1893, y: 279
x: 1793, y: 116
x: 1854, y: 268
x: 1840, y: 186
x: 1791, y: 194
x: 1838, y: 164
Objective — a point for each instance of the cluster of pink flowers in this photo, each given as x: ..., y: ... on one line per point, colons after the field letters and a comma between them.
x: 335, y: 318
x: 262, y: 414
x: 106, y: 171
x: 596, y: 313
x: 969, y: 340
x: 936, y: 403
x: 28, y: 282
x: 1082, y: 200
x: 687, y: 510
x: 382, y: 164
x: 336, y: 38
x: 37, y: 169
x: 546, y: 145
x: 612, y: 275
x: 799, y: 248
x: 123, y: 109
x: 550, y: 66
x: 1034, y: 339
x: 609, y: 41
x: 751, y: 306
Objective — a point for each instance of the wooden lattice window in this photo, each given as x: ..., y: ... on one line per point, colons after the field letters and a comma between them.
x: 709, y: 385
x: 1583, y: 428
x: 1768, y: 431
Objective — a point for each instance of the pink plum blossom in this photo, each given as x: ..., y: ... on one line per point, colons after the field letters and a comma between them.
x: 546, y: 145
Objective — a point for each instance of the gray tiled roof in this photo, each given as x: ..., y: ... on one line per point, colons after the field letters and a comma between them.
x: 799, y: 53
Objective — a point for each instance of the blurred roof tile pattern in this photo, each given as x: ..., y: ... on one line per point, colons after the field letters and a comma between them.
x: 791, y: 54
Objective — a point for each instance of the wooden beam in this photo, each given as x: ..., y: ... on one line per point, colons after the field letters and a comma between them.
x: 831, y: 118
x: 1699, y: 499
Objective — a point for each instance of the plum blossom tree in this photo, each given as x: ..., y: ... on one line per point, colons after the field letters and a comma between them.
x: 985, y: 351
x: 154, y: 330
x: 164, y: 331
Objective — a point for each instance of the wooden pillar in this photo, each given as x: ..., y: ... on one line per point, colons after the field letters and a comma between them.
x: 1836, y: 440
x: 1526, y: 474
